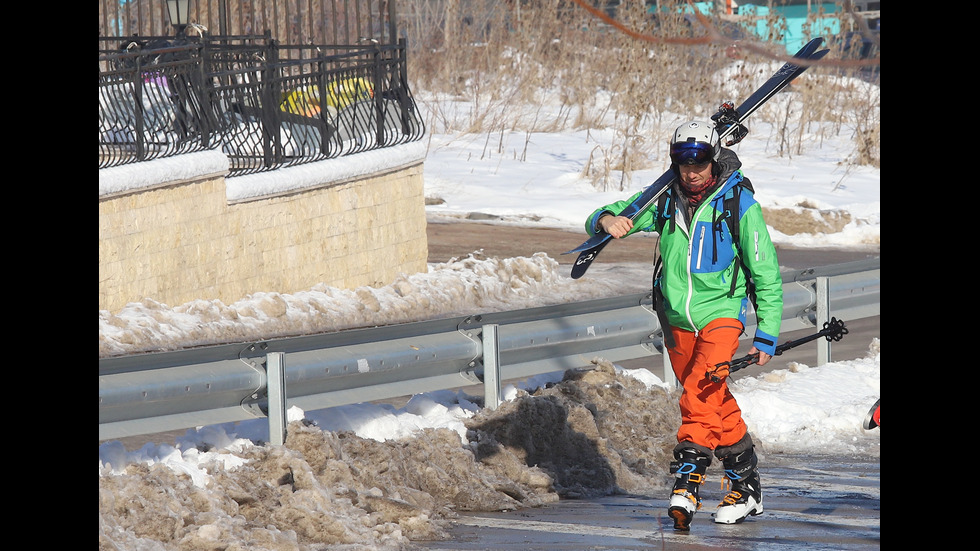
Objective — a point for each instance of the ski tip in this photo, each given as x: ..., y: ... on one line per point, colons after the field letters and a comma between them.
x: 819, y: 55
x: 808, y: 48
x: 814, y: 44
x: 590, y: 243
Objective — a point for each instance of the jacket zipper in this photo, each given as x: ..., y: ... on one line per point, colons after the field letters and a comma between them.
x: 700, y: 247
x: 690, y: 277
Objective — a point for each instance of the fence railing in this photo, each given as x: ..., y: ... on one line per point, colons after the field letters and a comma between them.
x: 265, y: 105
x: 150, y: 393
x: 291, y: 21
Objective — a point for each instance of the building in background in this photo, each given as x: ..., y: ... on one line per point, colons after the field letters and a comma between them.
x: 794, y: 22
x: 788, y: 22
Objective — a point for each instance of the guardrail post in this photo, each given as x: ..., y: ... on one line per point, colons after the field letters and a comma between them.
x: 669, y: 376
x: 491, y: 367
x: 823, y: 316
x: 276, y: 386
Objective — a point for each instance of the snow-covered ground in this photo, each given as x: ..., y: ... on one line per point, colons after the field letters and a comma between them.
x: 375, y: 476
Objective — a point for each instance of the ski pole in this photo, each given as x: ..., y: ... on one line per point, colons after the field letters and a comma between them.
x: 833, y: 330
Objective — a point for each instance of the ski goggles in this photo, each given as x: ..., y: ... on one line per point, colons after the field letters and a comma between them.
x: 691, y: 153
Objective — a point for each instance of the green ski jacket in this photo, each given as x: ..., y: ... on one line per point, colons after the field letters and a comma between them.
x: 699, y: 257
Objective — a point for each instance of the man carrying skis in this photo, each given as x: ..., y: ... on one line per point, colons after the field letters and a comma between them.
x: 716, y: 256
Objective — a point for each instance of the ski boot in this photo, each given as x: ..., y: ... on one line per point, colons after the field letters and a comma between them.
x: 745, y: 496
x: 689, y: 468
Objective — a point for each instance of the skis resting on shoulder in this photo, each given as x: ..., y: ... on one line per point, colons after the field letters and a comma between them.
x: 728, y: 122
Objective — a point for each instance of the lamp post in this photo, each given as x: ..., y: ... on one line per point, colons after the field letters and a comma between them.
x: 179, y: 11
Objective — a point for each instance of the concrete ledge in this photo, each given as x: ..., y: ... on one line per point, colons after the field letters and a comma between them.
x: 161, y: 172
x: 324, y: 173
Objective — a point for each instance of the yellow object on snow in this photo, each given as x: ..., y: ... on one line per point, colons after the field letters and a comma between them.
x: 303, y: 101
x: 306, y: 100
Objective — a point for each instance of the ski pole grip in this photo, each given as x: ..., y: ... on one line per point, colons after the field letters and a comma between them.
x: 724, y: 369
x: 719, y: 372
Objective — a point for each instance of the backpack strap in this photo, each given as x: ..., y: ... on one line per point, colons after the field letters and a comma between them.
x: 658, y: 304
x: 658, y: 295
x: 733, y: 215
x: 665, y: 209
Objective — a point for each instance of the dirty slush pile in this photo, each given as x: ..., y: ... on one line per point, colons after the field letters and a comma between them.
x: 595, y: 433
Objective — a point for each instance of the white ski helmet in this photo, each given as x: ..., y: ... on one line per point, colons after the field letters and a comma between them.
x: 695, y: 142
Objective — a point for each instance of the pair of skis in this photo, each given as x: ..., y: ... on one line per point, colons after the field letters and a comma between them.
x: 728, y: 122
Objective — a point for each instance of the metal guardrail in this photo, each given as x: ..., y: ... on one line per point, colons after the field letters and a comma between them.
x: 147, y: 393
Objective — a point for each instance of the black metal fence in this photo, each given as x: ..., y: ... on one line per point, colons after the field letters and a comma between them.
x: 265, y: 105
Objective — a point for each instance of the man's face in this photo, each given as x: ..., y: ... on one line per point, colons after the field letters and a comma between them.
x: 695, y: 175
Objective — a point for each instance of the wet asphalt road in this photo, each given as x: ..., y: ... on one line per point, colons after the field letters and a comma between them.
x: 814, y: 503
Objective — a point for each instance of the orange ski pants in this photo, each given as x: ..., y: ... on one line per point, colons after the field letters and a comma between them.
x: 710, y: 417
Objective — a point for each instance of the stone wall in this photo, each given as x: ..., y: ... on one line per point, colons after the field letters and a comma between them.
x: 179, y: 241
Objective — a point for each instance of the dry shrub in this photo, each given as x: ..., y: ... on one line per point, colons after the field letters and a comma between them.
x: 551, y: 66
